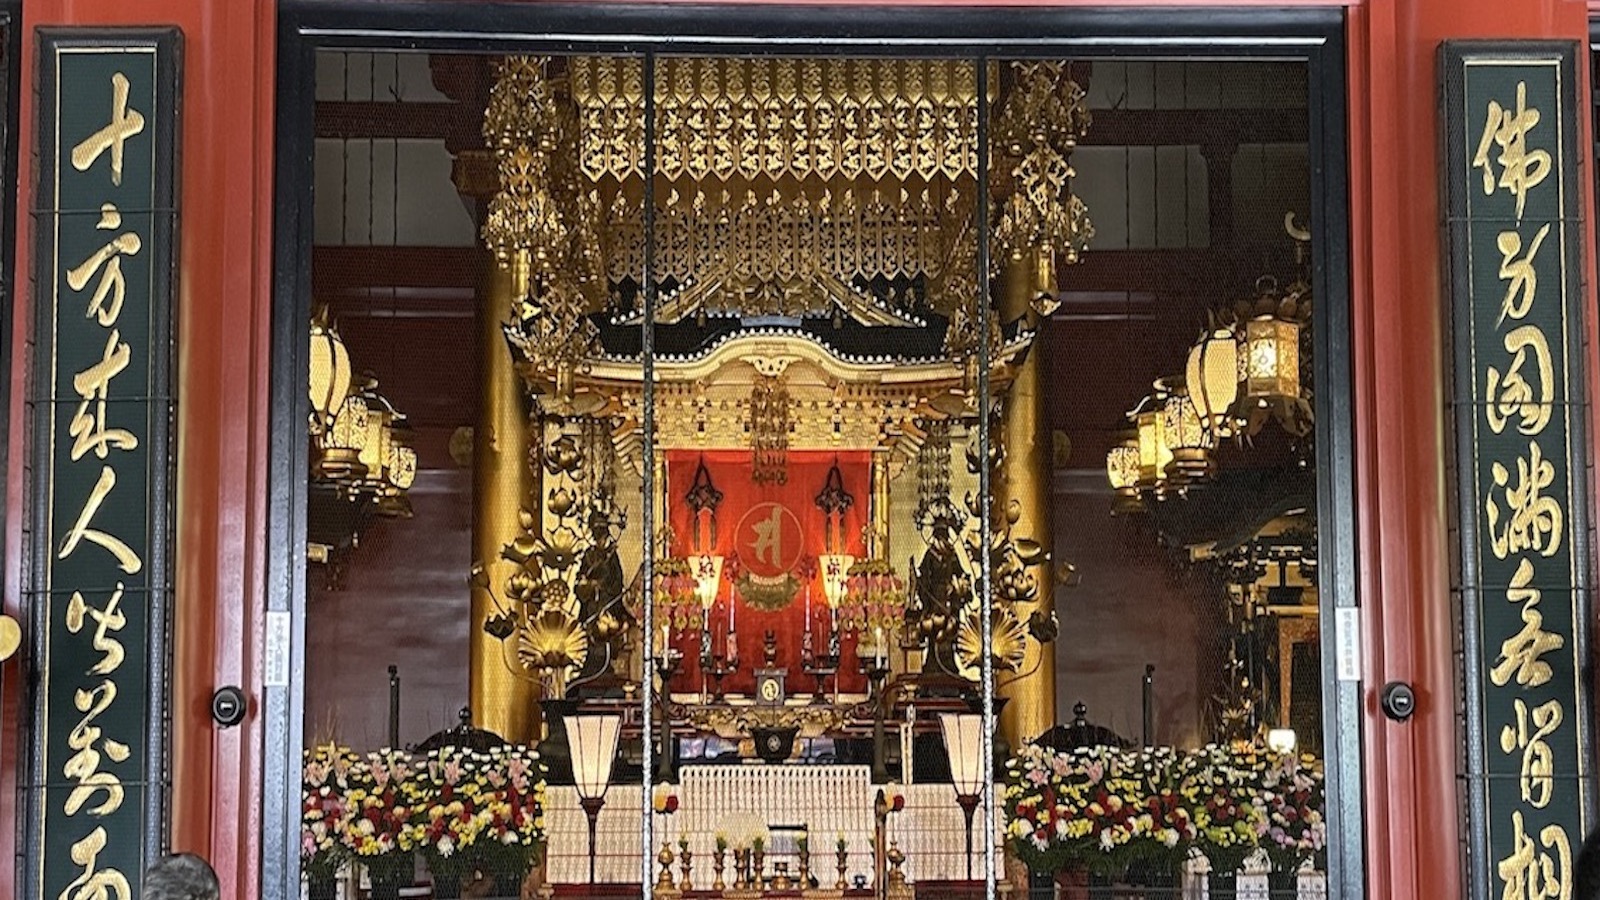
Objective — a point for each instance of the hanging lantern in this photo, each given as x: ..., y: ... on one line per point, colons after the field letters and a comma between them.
x: 835, y: 569
x: 1154, y: 455
x: 1212, y: 381
x: 341, y: 459
x: 391, y: 465
x: 1186, y: 438
x: 1269, y: 369
x: 330, y: 371
x: 707, y: 570
x: 1122, y: 470
x: 375, y: 447
x: 402, y: 467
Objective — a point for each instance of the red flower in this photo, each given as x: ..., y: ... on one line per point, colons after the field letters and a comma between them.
x: 672, y: 803
x: 899, y: 802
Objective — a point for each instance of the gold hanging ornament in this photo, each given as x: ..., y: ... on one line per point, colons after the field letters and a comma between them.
x: 1036, y: 131
x: 769, y: 430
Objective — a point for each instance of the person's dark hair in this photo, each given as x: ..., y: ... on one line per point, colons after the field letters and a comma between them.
x: 1586, y: 886
x: 182, y: 876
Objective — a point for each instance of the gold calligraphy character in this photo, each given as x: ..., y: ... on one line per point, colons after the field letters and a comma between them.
x: 1520, y: 654
x: 106, y: 621
x: 125, y: 123
x: 106, y: 884
x: 1521, y: 170
x: 112, y: 281
x: 127, y: 559
x: 1535, y: 521
x: 1511, y: 394
x: 1538, y: 761
x: 1533, y: 875
x: 84, y: 764
x: 88, y: 427
x: 1524, y: 280
x: 768, y: 543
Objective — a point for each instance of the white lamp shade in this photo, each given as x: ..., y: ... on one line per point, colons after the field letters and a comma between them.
x: 963, y: 743
x: 1212, y: 377
x: 835, y: 569
x: 707, y: 578
x: 1281, y: 740
x: 592, y: 741
x: 330, y: 371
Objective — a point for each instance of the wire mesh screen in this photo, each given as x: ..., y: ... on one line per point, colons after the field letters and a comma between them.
x: 703, y: 445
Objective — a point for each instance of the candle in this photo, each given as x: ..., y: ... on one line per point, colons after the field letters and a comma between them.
x: 877, y: 655
x: 666, y: 637
x: 808, y: 609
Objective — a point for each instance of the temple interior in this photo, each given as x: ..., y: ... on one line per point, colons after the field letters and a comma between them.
x: 720, y: 360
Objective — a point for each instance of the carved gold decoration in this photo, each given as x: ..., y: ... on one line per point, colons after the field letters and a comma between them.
x: 552, y: 643
x: 787, y: 252
x: 730, y: 119
x: 539, y: 224
x: 563, y: 601
x: 769, y: 430
x: 1036, y: 131
x: 733, y: 721
x: 1010, y: 641
x: 835, y: 403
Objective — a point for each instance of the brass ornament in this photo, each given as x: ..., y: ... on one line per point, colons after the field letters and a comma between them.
x: 1038, y: 127
x: 793, y: 252
x: 769, y: 430
x: 738, y: 119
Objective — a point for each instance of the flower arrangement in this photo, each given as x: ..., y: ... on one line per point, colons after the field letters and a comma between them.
x: 327, y: 779
x: 1293, y: 798
x: 1225, y: 785
x: 875, y: 597
x: 380, y: 834
x: 1106, y: 810
x: 462, y: 810
x: 677, y: 594
x: 663, y: 800
x: 511, y: 843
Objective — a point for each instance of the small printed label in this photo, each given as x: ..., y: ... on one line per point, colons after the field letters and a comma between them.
x: 277, y: 662
x: 1347, y: 634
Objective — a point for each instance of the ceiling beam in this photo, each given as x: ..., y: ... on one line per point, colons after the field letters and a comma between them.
x: 423, y: 281
x: 459, y: 126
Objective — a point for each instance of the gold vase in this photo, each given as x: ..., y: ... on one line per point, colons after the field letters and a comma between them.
x: 664, y: 880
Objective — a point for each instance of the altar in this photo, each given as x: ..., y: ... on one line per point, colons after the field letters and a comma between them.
x: 827, y: 803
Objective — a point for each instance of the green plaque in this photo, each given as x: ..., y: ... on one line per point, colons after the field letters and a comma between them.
x: 101, y: 413
x: 1514, y: 223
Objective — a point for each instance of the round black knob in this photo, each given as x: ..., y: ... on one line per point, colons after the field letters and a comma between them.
x: 1398, y: 700
x: 228, y: 706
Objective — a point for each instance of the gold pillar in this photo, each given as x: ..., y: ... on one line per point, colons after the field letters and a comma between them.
x: 503, y: 480
x: 1025, y: 478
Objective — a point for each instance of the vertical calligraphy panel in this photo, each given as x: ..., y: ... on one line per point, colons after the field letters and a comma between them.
x: 1514, y: 222
x: 101, y: 410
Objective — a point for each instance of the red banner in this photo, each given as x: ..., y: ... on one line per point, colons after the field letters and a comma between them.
x: 768, y: 534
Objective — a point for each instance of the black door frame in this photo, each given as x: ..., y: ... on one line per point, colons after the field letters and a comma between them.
x: 1315, y: 37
